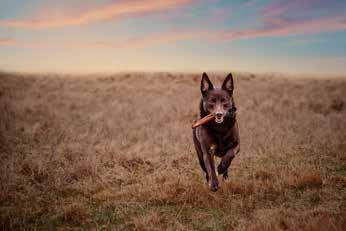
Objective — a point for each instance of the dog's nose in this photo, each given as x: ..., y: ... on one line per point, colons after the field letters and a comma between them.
x: 218, y: 114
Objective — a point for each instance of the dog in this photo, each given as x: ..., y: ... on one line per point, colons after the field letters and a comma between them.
x: 219, y: 137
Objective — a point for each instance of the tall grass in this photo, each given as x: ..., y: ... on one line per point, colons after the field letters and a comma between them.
x: 116, y: 151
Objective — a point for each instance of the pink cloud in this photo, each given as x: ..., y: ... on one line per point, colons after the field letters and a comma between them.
x: 280, y: 28
x: 149, y: 40
x: 7, y: 41
x: 164, y: 38
x: 276, y: 23
x: 277, y: 28
x: 219, y: 15
x: 285, y: 18
x: 131, y: 43
x: 114, y: 10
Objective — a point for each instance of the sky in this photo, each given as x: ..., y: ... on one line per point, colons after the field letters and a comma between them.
x: 85, y: 36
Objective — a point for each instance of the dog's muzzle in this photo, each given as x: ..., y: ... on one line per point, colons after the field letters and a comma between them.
x: 219, y: 117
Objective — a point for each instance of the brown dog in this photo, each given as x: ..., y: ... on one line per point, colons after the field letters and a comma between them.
x: 219, y: 137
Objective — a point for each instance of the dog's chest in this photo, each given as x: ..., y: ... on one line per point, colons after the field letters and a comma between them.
x: 223, y: 144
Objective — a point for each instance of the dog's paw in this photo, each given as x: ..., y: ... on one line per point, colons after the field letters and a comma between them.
x: 214, y: 185
x: 221, y: 169
x: 225, y: 176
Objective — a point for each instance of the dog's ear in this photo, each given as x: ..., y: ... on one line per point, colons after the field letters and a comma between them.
x: 206, y: 85
x: 228, y: 84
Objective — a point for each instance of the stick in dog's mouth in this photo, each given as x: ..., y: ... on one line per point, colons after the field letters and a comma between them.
x: 203, y: 120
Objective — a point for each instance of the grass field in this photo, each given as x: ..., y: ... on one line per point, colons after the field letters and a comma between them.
x: 116, y: 152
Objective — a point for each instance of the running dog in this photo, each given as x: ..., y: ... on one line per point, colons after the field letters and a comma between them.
x: 219, y: 137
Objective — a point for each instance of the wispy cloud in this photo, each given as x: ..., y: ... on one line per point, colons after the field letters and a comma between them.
x: 281, y: 18
x: 160, y: 38
x: 219, y: 15
x: 288, y: 27
x: 130, y: 43
x: 115, y: 10
x: 7, y: 41
x: 286, y: 18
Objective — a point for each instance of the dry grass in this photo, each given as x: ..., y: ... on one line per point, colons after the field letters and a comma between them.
x: 115, y: 152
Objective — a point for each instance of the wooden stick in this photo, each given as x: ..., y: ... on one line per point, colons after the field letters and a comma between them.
x: 203, y: 120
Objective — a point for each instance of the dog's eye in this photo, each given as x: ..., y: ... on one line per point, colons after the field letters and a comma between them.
x: 213, y: 100
x: 223, y: 100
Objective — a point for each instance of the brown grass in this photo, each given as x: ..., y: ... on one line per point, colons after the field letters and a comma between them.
x: 116, y: 152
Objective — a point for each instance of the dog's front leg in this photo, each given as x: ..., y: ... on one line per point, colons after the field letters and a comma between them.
x: 227, y: 159
x: 208, y: 156
x: 230, y: 154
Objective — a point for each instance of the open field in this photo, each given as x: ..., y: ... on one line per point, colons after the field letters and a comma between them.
x: 116, y: 152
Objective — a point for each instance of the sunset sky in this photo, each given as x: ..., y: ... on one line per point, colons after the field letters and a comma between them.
x: 297, y: 36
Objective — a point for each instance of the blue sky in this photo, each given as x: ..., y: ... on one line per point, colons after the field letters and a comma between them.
x: 306, y: 36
